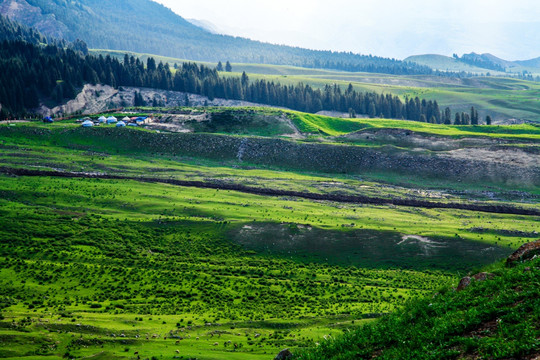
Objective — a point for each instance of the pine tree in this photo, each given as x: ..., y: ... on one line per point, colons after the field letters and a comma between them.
x: 245, y: 79
x: 457, y: 120
x: 488, y: 120
x: 228, y: 67
x: 447, y: 116
x: 474, y: 116
x: 151, y: 64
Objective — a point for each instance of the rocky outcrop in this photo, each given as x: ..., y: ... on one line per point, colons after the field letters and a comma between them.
x: 22, y: 12
x: 284, y: 355
x: 524, y: 253
x: 464, y: 283
x: 98, y: 98
x: 467, y: 280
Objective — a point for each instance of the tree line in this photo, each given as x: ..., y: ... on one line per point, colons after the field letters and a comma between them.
x: 29, y: 72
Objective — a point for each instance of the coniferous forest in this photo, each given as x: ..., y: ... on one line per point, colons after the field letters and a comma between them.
x: 29, y: 72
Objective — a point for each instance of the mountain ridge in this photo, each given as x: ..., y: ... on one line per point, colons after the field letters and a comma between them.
x: 148, y: 27
x: 477, y: 63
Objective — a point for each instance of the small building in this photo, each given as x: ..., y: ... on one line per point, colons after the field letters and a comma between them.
x: 120, y: 124
x: 87, y: 123
x: 112, y: 120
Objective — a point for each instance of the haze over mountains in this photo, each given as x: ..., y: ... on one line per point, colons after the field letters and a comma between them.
x: 383, y: 27
x: 145, y: 26
x: 148, y: 27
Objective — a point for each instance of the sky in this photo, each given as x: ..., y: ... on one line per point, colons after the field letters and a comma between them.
x: 389, y: 28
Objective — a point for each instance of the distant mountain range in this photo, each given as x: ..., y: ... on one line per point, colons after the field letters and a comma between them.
x: 478, y: 64
x: 145, y: 26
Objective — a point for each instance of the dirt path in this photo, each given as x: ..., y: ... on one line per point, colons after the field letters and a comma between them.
x: 487, y: 208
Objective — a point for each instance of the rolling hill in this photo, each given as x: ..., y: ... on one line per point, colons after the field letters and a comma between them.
x: 233, y: 242
x: 477, y: 64
x: 445, y: 63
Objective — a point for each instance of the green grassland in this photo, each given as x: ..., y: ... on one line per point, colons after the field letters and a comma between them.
x: 502, y: 98
x: 116, y: 269
x: 495, y: 319
x: 446, y: 63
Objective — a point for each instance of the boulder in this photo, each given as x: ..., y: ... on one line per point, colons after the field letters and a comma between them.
x: 524, y: 253
x: 284, y: 355
x: 464, y: 283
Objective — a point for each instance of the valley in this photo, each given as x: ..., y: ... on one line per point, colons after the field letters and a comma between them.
x: 167, y: 192
x: 127, y: 242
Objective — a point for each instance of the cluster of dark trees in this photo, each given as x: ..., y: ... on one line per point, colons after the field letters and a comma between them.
x: 464, y: 118
x: 11, y: 30
x: 227, y: 68
x: 480, y: 61
x: 28, y: 72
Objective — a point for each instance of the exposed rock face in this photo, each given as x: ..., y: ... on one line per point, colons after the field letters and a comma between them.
x: 23, y: 12
x: 97, y: 98
x: 524, y: 253
x: 464, y: 283
x: 284, y: 355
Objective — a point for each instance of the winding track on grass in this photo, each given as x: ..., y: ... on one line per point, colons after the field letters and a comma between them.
x: 352, y: 199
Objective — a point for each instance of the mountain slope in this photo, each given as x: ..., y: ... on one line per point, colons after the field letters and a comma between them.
x: 476, y: 64
x: 445, y: 63
x: 492, y: 319
x: 148, y: 27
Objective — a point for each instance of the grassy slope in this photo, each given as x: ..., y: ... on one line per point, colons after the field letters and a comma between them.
x: 173, y: 259
x: 446, y: 63
x: 495, y: 319
x: 502, y: 98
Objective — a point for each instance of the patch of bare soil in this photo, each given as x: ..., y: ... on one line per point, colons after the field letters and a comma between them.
x: 516, y: 157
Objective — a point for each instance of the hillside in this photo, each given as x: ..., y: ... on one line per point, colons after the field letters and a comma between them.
x: 506, y: 100
x: 133, y: 25
x: 477, y: 64
x: 446, y: 63
x: 497, y: 318
x: 247, y: 231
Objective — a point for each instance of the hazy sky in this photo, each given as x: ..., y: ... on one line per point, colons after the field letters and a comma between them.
x: 508, y: 29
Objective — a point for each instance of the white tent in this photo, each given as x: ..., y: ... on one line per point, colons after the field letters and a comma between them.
x: 126, y: 119
x: 120, y: 124
x: 102, y: 119
x: 87, y: 123
x: 111, y: 120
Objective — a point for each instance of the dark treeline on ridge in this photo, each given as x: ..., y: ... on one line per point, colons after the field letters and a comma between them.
x: 29, y: 72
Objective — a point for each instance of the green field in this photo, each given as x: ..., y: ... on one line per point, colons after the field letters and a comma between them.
x: 500, y: 97
x: 494, y: 319
x: 119, y: 268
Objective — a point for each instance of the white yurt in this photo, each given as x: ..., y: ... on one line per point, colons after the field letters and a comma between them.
x: 120, y: 124
x: 126, y: 119
x: 111, y: 120
x: 102, y: 119
x: 87, y: 123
